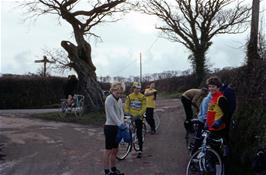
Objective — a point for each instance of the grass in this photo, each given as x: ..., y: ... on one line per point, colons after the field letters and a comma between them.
x: 169, y: 95
x: 91, y: 118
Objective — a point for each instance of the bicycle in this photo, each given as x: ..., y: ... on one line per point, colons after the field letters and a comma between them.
x: 76, y: 107
x: 206, y: 160
x: 124, y: 147
x: 191, y: 133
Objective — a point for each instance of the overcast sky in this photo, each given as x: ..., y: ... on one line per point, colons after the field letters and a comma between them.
x: 117, y: 55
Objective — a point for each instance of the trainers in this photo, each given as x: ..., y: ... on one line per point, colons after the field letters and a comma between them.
x: 139, y: 155
x: 153, y: 132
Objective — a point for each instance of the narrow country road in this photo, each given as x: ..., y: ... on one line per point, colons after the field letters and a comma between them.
x: 38, y: 147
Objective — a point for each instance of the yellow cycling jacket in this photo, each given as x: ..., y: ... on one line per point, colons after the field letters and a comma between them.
x: 135, y: 104
x: 150, y: 99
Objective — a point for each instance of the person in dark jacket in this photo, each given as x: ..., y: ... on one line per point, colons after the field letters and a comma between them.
x: 70, y: 88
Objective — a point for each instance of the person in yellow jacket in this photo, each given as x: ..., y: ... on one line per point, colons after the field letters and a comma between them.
x: 135, y: 105
x: 150, y: 94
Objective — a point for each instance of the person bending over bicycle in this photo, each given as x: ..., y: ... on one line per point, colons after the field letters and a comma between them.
x: 189, y: 98
x: 135, y: 105
x: 114, y: 121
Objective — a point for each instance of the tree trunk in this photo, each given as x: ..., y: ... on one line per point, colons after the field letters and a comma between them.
x: 199, y: 61
x: 90, y: 88
x: 82, y: 64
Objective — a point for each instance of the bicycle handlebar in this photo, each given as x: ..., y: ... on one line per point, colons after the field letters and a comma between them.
x: 206, y: 133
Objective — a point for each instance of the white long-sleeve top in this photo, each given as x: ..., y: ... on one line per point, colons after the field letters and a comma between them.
x: 114, y: 111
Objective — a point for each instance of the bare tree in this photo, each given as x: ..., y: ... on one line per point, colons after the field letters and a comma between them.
x: 194, y: 23
x: 82, y: 22
x: 62, y: 63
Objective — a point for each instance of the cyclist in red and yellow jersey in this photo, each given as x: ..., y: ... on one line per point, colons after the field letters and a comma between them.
x: 135, y: 105
x: 218, y: 107
x: 218, y: 110
x: 217, y: 115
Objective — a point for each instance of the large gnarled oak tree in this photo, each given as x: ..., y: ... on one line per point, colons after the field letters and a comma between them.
x: 82, y: 21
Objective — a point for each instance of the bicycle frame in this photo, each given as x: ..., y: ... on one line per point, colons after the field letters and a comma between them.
x: 191, y: 135
x: 132, y: 127
x: 129, y: 121
x: 78, y: 99
x: 204, y: 147
x: 76, y: 107
x: 206, y: 159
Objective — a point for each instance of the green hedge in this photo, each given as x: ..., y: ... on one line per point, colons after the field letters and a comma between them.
x: 30, y: 91
x: 250, y: 132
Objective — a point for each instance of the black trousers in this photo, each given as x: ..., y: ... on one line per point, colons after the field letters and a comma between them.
x: 138, y: 123
x: 149, y: 118
x: 188, y: 107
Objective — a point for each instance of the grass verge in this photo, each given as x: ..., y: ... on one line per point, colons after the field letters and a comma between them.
x: 91, y: 118
x: 169, y: 95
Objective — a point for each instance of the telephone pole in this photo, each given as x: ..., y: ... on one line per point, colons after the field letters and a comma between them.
x: 140, y: 68
x: 253, y: 41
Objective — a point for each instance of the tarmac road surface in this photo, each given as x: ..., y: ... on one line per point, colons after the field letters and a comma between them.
x: 39, y: 147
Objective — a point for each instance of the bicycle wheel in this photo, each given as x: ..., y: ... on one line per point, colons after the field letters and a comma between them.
x: 190, y: 139
x: 205, y: 163
x: 123, y: 150
x: 135, y: 138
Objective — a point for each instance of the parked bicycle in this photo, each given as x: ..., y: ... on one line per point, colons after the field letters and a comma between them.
x: 191, y: 134
x: 76, y: 107
x: 206, y: 160
x: 124, y: 147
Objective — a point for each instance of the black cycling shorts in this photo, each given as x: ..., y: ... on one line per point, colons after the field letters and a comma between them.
x: 110, y: 132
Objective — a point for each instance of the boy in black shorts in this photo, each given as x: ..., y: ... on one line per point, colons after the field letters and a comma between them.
x: 114, y: 120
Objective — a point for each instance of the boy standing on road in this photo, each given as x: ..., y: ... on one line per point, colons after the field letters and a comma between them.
x: 114, y: 120
x: 135, y: 105
x: 150, y: 94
